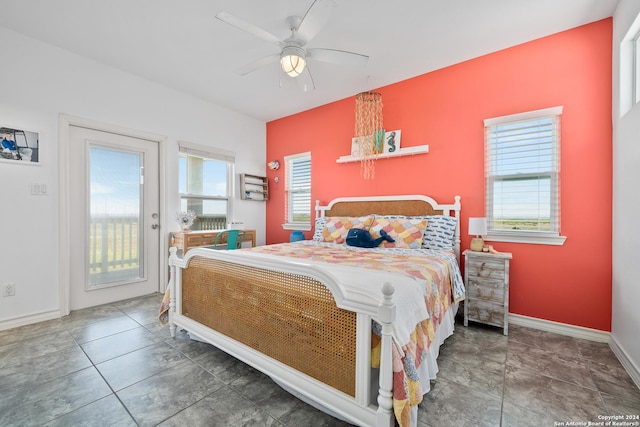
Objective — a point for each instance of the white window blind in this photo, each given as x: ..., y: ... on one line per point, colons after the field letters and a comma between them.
x: 522, y: 173
x: 298, y: 190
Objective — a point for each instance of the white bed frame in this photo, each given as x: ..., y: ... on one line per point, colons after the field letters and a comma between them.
x: 358, y: 410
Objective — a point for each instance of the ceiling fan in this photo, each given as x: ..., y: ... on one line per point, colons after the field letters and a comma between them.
x: 293, y: 54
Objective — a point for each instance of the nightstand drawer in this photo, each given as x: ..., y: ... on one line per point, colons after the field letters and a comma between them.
x: 485, y: 290
x: 486, y: 268
x: 485, y: 312
x: 199, y: 239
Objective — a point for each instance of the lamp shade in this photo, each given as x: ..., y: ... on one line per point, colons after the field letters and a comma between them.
x: 477, y: 226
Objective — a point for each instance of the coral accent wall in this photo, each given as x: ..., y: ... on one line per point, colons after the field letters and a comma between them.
x: 445, y: 109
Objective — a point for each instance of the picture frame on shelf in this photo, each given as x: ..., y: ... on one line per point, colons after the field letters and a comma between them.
x: 391, y: 143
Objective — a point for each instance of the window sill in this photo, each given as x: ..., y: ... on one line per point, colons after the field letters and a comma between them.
x: 531, y: 238
x: 298, y: 226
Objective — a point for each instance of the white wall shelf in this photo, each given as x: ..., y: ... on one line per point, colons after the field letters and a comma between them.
x: 409, y: 151
x: 254, y: 187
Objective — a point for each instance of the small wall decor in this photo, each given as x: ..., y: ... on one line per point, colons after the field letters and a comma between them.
x: 18, y: 145
x: 185, y: 219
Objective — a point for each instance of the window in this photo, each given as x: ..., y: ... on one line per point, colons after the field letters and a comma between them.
x: 298, y: 192
x: 522, y: 162
x: 205, y: 185
x: 629, y: 61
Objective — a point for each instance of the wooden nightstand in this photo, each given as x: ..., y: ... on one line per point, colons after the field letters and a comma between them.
x: 486, y: 278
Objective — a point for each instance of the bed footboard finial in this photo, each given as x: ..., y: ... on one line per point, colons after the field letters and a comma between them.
x: 386, y: 315
x: 173, y: 257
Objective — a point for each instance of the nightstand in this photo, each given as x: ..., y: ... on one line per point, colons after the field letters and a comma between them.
x: 486, y: 278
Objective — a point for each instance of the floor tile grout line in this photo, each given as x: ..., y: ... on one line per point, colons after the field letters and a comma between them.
x: 536, y: 373
x: 105, y: 381
x: 225, y: 385
x: 504, y: 381
x: 585, y: 361
x: 187, y: 358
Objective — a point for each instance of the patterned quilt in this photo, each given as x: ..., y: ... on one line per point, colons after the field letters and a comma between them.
x: 436, y: 270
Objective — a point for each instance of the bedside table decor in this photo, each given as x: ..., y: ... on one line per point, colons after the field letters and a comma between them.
x: 477, y: 227
x: 486, y: 277
x: 185, y: 219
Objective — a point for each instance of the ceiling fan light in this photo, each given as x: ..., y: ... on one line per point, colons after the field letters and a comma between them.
x: 292, y: 61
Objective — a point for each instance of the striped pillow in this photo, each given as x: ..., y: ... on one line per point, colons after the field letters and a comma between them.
x: 319, y: 226
x: 440, y: 232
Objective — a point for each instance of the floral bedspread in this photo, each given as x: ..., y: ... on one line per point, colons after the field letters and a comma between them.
x: 436, y: 270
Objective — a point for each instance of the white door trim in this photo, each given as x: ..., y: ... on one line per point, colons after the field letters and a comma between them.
x: 65, y: 121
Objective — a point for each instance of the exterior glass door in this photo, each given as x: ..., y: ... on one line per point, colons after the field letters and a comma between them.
x: 115, y: 216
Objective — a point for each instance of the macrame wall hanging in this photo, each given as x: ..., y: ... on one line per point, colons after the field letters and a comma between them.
x: 369, y: 131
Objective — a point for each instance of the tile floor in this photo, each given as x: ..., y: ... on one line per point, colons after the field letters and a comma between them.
x: 115, y: 365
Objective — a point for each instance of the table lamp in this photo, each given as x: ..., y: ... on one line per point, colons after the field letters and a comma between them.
x: 477, y: 227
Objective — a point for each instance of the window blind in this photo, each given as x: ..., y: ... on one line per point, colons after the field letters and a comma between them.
x: 522, y: 172
x: 298, y: 188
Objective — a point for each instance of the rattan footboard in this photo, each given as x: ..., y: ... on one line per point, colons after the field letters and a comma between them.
x: 289, y: 317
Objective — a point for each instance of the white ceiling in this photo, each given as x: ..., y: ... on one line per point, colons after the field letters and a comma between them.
x: 180, y: 44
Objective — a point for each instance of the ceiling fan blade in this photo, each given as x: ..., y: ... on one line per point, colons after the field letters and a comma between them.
x: 338, y: 57
x: 256, y: 65
x: 316, y: 17
x: 249, y: 28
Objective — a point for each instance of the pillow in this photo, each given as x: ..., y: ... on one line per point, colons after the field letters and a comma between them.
x: 407, y: 232
x: 336, y: 228
x: 440, y: 232
x: 317, y: 231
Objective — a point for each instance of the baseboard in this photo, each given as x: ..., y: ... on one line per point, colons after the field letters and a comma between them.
x: 30, y: 319
x: 559, y: 328
x: 626, y: 362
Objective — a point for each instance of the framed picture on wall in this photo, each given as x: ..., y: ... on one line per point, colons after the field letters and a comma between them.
x: 19, y: 145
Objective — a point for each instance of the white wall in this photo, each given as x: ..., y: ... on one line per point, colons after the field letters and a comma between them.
x: 37, y: 83
x: 626, y: 200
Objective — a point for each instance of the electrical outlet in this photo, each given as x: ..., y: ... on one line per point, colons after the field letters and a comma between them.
x: 8, y: 289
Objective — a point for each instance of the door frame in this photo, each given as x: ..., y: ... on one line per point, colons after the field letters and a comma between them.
x: 65, y: 121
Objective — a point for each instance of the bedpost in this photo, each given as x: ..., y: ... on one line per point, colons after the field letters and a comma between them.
x: 457, y: 233
x: 173, y: 257
x: 386, y: 315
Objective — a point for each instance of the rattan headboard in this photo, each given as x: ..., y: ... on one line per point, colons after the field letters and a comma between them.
x: 410, y: 205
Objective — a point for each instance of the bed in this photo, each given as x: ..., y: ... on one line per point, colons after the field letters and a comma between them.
x: 354, y: 332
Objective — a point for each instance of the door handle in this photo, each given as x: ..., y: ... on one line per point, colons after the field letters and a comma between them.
x: 154, y: 226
